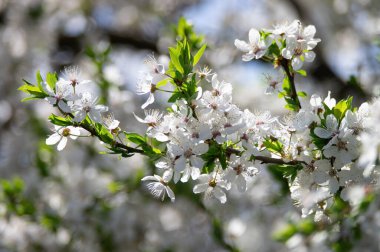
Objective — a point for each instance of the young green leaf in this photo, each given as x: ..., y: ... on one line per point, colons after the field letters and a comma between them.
x: 199, y: 54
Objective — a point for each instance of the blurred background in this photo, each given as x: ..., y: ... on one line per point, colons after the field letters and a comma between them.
x: 79, y: 200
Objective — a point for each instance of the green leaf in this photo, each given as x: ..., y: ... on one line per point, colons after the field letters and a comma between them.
x: 174, y: 59
x: 60, y: 121
x: 273, y: 50
x: 301, y: 94
x: 103, y: 134
x: 285, y: 233
x: 51, y: 79
x: 162, y: 83
x: 39, y: 80
x: 286, y: 86
x: 33, y: 91
x: 135, y: 138
x: 176, y: 96
x: 50, y: 221
x: 302, y: 72
x: 340, y: 109
x: 115, y: 186
x: 199, y: 54
x: 273, y: 145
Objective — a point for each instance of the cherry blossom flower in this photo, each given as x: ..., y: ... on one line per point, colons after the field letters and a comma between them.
x: 255, y: 49
x: 297, y: 51
x: 239, y: 171
x: 187, y: 154
x: 145, y: 86
x: 63, y: 93
x: 61, y: 135
x: 72, y: 76
x: 159, y: 185
x: 111, y: 124
x: 212, y: 185
x: 274, y: 83
x: 86, y: 105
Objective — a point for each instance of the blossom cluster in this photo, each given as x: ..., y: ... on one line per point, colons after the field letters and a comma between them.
x: 326, y: 150
x: 79, y: 105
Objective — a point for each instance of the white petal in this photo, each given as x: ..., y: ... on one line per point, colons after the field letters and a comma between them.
x: 331, y: 122
x: 254, y: 36
x: 51, y: 100
x: 200, y: 188
x: 309, y: 56
x: 139, y: 119
x: 242, y: 45
x: 309, y: 31
x: 53, y: 139
x: 248, y: 56
x: 175, y: 150
x: 196, y: 162
x: 62, y: 144
x: 167, y: 176
x: 170, y: 193
x: 333, y: 185
x: 297, y: 63
x: 241, y: 183
x: 80, y: 116
x: 180, y: 164
x: 95, y: 116
x: 85, y: 82
x: 101, y: 108
x: 195, y: 172
x: 186, y: 175
x: 162, y: 164
x: 220, y: 195
x: 65, y: 108
x: 200, y: 149
x: 149, y: 101
x: 287, y: 54
x: 322, y: 133
x: 149, y: 178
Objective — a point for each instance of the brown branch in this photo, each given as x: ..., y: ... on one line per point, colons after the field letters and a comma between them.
x: 286, y: 66
x: 93, y: 132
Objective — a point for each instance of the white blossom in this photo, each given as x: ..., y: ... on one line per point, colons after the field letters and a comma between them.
x: 212, y: 185
x: 255, y: 49
x: 61, y: 135
x: 159, y: 185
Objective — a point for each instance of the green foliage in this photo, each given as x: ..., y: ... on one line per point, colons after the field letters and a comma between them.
x: 304, y: 227
x: 37, y: 91
x: 51, y: 80
x: 16, y: 202
x: 302, y: 72
x: 50, y: 221
x: 142, y: 142
x: 60, y: 121
x: 103, y: 134
x: 185, y: 30
x: 34, y: 92
x: 274, y: 145
x: 215, y: 152
x: 341, y: 108
x: 199, y: 54
x: 183, y: 57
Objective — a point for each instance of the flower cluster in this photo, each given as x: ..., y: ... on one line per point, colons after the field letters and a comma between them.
x: 62, y: 94
x: 194, y: 134
x: 326, y: 150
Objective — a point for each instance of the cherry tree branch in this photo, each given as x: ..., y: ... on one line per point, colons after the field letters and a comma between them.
x: 293, y: 92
